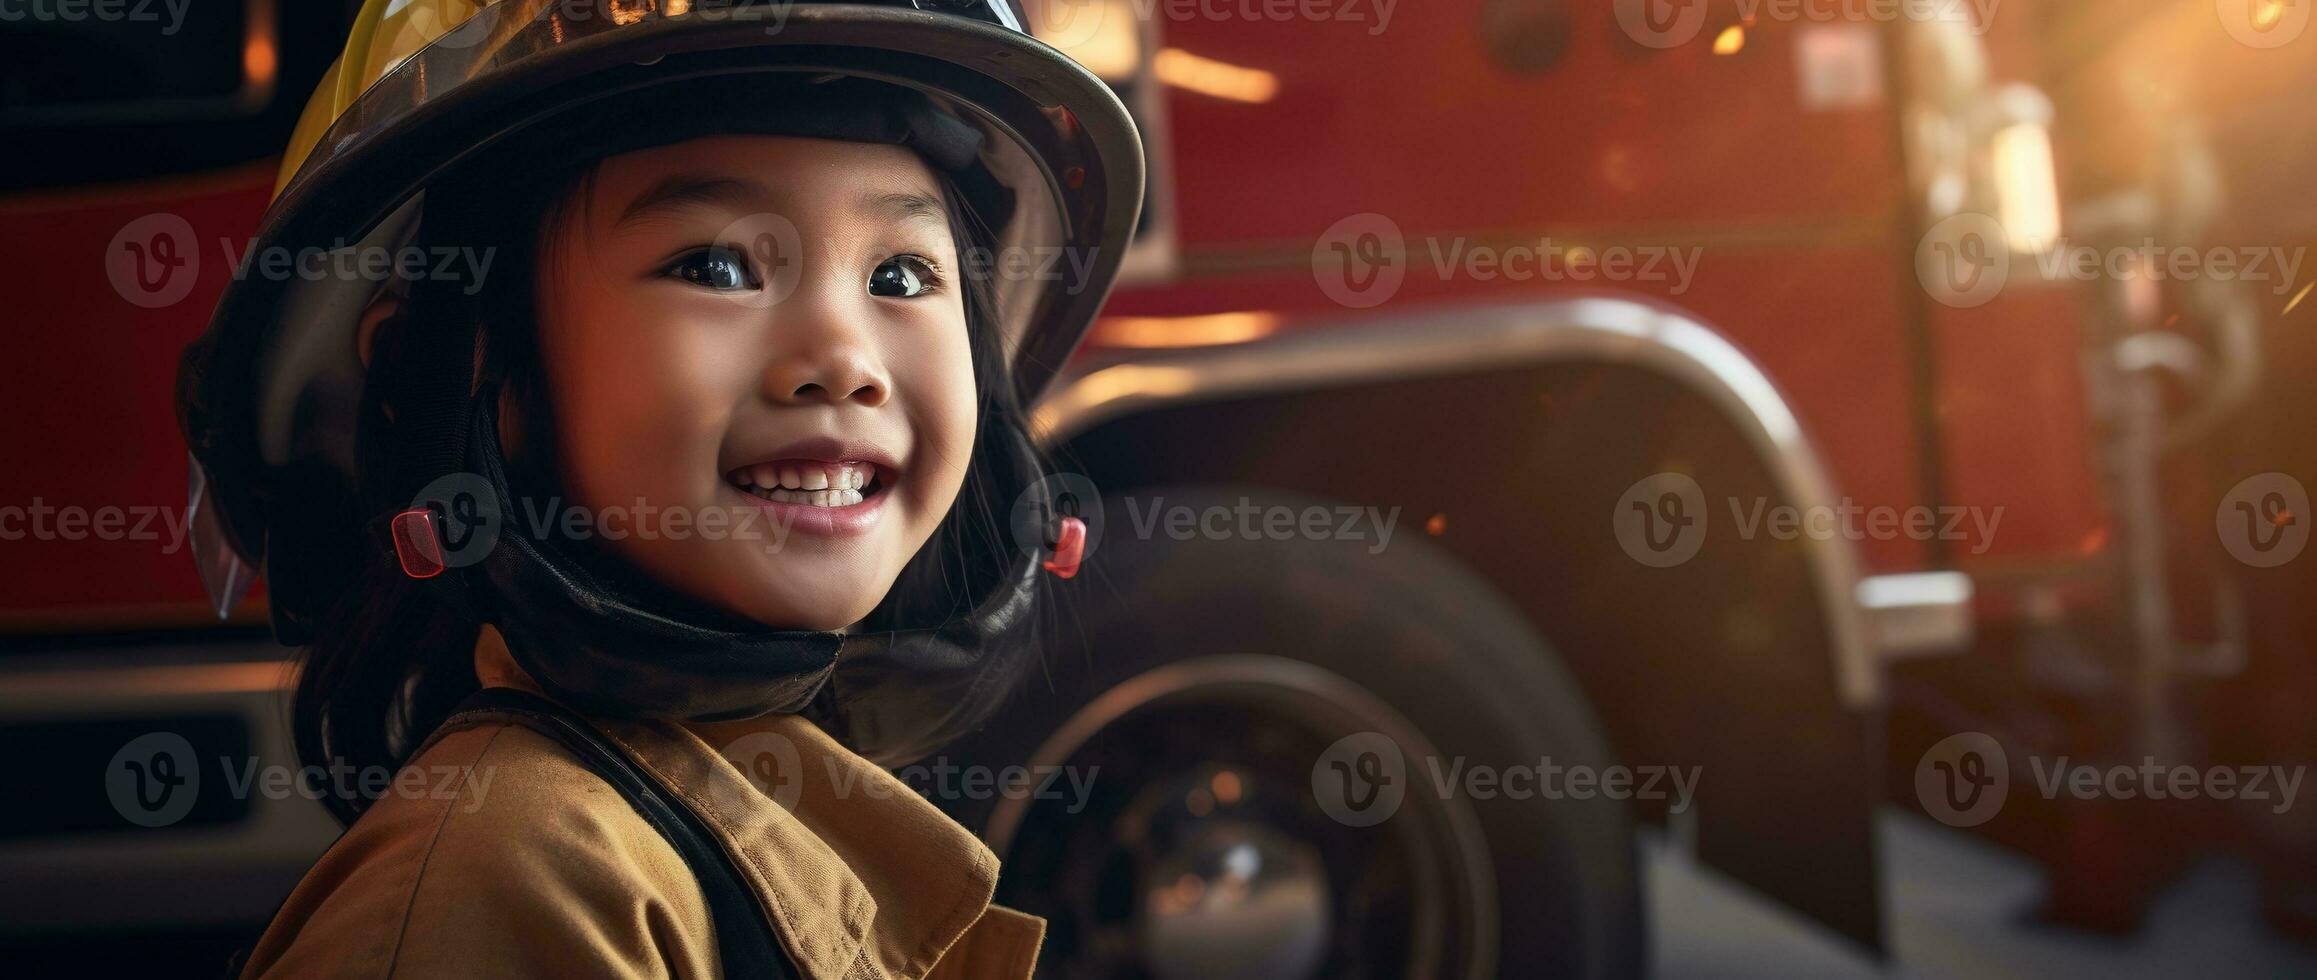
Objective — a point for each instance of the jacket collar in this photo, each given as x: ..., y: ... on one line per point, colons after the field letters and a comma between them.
x: 860, y: 876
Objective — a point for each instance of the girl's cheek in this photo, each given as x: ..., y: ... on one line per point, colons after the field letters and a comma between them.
x: 641, y: 383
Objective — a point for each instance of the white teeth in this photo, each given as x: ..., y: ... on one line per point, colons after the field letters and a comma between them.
x: 818, y: 485
x: 812, y: 498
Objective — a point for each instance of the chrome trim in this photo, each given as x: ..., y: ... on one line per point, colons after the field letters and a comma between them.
x: 228, y: 875
x: 1278, y: 674
x: 1153, y: 251
x: 1447, y: 340
x: 1917, y: 614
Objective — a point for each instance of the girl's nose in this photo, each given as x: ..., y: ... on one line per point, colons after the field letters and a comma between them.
x: 829, y: 363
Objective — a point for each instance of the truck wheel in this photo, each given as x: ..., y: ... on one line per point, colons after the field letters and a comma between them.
x: 1235, y: 756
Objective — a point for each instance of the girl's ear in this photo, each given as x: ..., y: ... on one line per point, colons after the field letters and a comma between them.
x: 510, y: 422
x: 383, y: 311
x: 384, y: 308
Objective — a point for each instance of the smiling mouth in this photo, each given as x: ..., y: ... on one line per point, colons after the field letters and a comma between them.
x: 812, y: 483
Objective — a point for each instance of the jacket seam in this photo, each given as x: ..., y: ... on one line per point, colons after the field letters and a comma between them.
x: 787, y: 927
x: 410, y: 904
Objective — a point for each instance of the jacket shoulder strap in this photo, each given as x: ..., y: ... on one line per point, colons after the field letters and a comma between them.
x: 745, y: 942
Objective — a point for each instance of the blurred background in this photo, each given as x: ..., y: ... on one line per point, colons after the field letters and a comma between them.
x: 1825, y: 489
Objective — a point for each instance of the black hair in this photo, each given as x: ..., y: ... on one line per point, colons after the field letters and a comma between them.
x: 392, y: 656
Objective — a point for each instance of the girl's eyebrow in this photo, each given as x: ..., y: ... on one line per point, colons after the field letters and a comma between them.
x: 905, y: 206
x: 693, y: 190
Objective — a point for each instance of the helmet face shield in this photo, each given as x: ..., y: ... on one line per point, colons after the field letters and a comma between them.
x: 438, y: 85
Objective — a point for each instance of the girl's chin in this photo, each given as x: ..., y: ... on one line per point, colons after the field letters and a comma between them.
x: 839, y: 594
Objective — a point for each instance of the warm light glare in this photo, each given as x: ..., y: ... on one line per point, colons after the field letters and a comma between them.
x: 626, y: 12
x: 1099, y: 34
x: 1226, y: 787
x: 1731, y: 41
x: 1185, y: 331
x: 2295, y: 302
x: 258, y: 61
x: 1207, y: 76
x: 2268, y: 13
x: 2027, y: 187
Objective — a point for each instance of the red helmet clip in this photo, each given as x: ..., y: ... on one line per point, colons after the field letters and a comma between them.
x: 1069, y: 547
x: 416, y: 544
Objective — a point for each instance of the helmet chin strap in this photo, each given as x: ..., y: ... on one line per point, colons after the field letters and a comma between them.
x: 630, y: 649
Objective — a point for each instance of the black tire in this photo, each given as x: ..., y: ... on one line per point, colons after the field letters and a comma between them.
x: 1409, y: 628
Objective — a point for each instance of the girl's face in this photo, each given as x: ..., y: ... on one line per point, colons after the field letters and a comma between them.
x: 757, y: 356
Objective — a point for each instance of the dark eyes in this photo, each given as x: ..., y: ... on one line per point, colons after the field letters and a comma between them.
x: 903, y: 276
x: 716, y: 267
x: 720, y: 268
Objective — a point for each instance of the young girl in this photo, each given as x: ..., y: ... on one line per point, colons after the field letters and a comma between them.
x: 700, y: 489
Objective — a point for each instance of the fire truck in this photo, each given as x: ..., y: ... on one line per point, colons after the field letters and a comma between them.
x: 1719, y: 365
